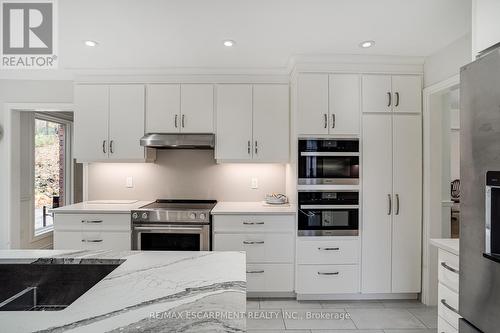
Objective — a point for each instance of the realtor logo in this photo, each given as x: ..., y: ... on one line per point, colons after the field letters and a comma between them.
x: 28, y: 35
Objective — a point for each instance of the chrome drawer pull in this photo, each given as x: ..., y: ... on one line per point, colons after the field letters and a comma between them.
x: 328, y: 273
x: 253, y: 242
x: 329, y: 248
x: 91, y: 240
x: 91, y: 221
x: 255, y: 272
x: 449, y: 307
x: 253, y: 223
x: 451, y: 269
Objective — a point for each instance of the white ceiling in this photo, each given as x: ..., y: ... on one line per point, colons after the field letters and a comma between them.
x: 189, y: 33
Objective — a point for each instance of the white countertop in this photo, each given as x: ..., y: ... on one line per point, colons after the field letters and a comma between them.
x: 104, y: 206
x: 258, y: 207
x: 145, y: 283
x: 447, y: 244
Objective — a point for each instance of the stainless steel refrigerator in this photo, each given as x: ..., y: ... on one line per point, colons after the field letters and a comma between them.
x: 479, y: 300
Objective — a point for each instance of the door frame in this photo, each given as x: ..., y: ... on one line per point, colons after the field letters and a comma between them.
x: 431, y: 215
x: 12, y: 228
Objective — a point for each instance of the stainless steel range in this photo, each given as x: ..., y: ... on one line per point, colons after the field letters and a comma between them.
x: 173, y: 225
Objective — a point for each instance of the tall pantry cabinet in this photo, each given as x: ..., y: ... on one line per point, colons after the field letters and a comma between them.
x: 392, y: 184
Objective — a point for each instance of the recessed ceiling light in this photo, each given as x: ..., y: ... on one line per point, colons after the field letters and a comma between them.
x: 367, y: 43
x: 229, y: 43
x: 91, y: 43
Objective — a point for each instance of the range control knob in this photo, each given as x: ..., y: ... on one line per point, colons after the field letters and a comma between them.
x: 202, y: 216
x: 192, y: 216
x: 135, y: 216
x: 144, y: 216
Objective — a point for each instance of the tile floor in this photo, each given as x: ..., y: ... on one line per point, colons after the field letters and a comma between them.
x: 289, y: 315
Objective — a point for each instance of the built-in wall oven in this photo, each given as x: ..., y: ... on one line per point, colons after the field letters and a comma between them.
x: 328, y: 213
x: 328, y: 161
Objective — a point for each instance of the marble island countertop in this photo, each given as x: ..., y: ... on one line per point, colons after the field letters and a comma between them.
x: 149, y: 291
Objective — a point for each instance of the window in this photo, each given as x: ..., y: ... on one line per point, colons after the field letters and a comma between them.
x: 51, y: 174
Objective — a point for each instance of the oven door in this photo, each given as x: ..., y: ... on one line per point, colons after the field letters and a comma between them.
x: 171, y: 238
x: 328, y: 168
x: 324, y: 220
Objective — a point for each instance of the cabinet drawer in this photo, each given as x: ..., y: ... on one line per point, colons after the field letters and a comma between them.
x: 269, y: 277
x: 446, y: 299
x: 327, y: 279
x: 258, y: 247
x: 92, y: 240
x: 328, y: 252
x: 82, y: 222
x: 254, y: 223
x: 448, y: 263
x: 444, y: 327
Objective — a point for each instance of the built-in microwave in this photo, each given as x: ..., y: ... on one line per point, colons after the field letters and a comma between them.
x: 328, y: 161
x: 328, y: 213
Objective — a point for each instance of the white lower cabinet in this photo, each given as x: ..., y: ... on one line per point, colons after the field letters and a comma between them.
x: 448, y: 288
x: 269, y: 243
x: 92, y: 231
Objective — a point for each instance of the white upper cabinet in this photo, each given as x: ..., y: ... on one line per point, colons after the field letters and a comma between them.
x: 126, y: 122
x: 377, y: 93
x: 197, y: 108
x: 396, y: 93
x: 163, y: 108
x: 270, y: 122
x: 312, y: 103
x: 109, y: 122
x: 344, y: 102
x: 174, y: 108
x: 234, y: 122
x: 91, y: 122
x: 407, y: 93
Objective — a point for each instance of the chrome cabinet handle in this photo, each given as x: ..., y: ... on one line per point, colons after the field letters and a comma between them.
x: 248, y: 147
x: 397, y: 99
x: 333, y: 120
x: 325, y: 120
x: 253, y: 223
x: 451, y: 269
x: 390, y: 99
x: 91, y: 221
x: 328, y: 248
x: 256, y: 147
x: 175, y: 121
x: 256, y: 272
x: 111, y: 147
x: 104, y: 146
x: 389, y: 199
x: 397, y: 204
x: 448, y: 306
x: 91, y: 240
x: 182, y: 120
x: 252, y: 242
x: 328, y: 273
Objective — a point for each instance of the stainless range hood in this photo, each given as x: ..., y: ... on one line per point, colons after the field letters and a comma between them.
x: 178, y: 141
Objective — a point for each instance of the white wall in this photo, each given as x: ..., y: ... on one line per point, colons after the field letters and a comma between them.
x: 185, y: 174
x: 446, y: 62
x: 23, y: 91
x: 485, y: 24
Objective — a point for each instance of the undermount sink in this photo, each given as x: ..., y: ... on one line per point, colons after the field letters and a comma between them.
x: 47, y: 285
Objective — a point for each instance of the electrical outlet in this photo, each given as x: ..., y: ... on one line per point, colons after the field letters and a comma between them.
x: 129, y: 182
x: 255, y: 183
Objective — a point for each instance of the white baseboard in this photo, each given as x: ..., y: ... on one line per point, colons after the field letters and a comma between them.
x: 339, y: 297
x: 285, y: 294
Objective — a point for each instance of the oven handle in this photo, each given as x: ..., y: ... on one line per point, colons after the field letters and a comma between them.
x: 169, y: 228
x: 336, y: 207
x: 326, y: 153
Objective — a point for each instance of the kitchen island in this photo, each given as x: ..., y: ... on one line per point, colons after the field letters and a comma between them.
x: 148, y: 291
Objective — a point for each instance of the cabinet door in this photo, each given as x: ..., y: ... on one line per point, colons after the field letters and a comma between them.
x: 91, y: 122
x: 407, y: 93
x: 377, y: 95
x: 344, y: 104
x: 126, y: 122
x: 163, y: 108
x: 270, y: 123
x: 377, y: 203
x: 234, y: 122
x: 312, y: 99
x: 197, y: 108
x: 407, y: 221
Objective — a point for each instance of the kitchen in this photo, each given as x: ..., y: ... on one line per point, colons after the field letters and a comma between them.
x: 296, y: 182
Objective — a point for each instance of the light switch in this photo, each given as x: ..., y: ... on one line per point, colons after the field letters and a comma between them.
x: 255, y: 183
x: 129, y: 182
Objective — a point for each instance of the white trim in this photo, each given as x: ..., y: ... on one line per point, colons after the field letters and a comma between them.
x: 437, y: 88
